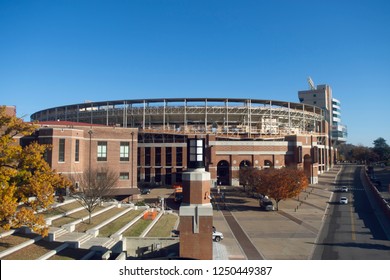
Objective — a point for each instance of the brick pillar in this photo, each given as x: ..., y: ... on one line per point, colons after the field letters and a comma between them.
x: 196, y: 216
x: 196, y: 211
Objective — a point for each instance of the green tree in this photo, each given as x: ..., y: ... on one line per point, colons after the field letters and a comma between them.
x: 382, y: 149
x: 27, y: 183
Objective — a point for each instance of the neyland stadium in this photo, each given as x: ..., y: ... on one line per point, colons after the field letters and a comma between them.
x: 238, y: 133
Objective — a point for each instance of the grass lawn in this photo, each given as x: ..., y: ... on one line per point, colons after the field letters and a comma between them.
x: 164, y: 226
x: 14, y: 239
x: 61, y: 209
x: 138, y: 228
x: 117, y: 224
x: 70, y: 254
x: 97, y: 220
x: 73, y: 217
x: 33, y: 251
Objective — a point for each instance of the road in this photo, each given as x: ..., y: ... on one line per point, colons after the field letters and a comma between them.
x: 351, y: 231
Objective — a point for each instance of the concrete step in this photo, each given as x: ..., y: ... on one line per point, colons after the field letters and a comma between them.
x: 96, y: 243
x: 75, y: 239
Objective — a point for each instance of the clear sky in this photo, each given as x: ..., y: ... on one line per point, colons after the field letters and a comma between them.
x: 61, y: 52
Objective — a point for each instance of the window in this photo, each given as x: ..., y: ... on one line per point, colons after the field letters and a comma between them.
x: 168, y: 176
x: 101, y: 176
x: 124, y: 151
x: 147, y: 175
x: 158, y: 156
x: 179, y: 156
x: 147, y: 156
x: 138, y: 156
x: 102, y: 151
x: 77, y: 151
x: 61, y: 150
x: 124, y: 176
x: 168, y: 156
x: 157, y: 177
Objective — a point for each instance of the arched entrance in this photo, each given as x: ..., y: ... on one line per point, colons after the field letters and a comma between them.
x: 244, y: 165
x: 268, y: 164
x: 223, y: 173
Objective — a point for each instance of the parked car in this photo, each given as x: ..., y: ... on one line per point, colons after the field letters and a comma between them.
x: 266, y: 204
x: 344, y: 189
x: 217, y: 236
x: 144, y: 191
x: 343, y: 200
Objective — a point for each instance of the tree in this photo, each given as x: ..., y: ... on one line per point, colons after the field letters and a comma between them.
x: 359, y: 153
x: 92, y: 187
x: 245, y: 174
x: 281, y: 184
x: 382, y: 149
x: 27, y: 183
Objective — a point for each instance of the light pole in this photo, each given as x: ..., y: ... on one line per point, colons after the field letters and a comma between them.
x: 90, y: 132
x: 132, y: 158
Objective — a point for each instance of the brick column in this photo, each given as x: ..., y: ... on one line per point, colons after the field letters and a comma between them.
x: 196, y: 215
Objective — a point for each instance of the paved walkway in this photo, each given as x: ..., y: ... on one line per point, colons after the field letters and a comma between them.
x: 245, y: 243
x: 289, y: 233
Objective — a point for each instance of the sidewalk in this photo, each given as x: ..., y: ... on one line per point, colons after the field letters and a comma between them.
x: 287, y: 234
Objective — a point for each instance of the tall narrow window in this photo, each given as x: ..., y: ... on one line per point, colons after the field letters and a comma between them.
x: 168, y: 156
x: 158, y: 156
x: 124, y: 151
x: 157, y: 177
x: 179, y: 156
x: 147, y: 156
x: 77, y: 151
x: 138, y: 156
x: 102, y: 151
x: 61, y: 150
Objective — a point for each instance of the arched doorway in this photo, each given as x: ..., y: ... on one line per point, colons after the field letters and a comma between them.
x: 268, y: 164
x: 244, y: 165
x: 223, y: 173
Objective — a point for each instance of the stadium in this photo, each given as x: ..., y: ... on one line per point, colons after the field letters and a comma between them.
x: 238, y: 133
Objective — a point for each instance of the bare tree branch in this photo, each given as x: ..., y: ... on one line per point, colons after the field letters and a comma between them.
x: 93, y: 186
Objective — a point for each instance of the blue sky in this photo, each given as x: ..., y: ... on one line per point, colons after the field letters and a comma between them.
x: 55, y: 53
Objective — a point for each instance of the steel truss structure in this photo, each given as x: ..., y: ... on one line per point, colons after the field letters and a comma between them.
x: 223, y: 116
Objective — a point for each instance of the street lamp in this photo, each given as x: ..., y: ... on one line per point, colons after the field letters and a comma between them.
x: 90, y: 132
x: 131, y: 158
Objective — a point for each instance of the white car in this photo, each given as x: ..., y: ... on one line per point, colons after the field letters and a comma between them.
x: 217, y: 236
x: 344, y: 189
x: 343, y: 200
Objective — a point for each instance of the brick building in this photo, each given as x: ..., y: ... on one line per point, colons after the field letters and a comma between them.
x: 77, y: 147
x: 237, y: 133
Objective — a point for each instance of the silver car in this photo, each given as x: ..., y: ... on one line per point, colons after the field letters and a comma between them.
x: 343, y: 200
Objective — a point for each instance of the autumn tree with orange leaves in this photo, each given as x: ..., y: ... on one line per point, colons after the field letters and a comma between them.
x: 279, y: 184
x: 24, y: 174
